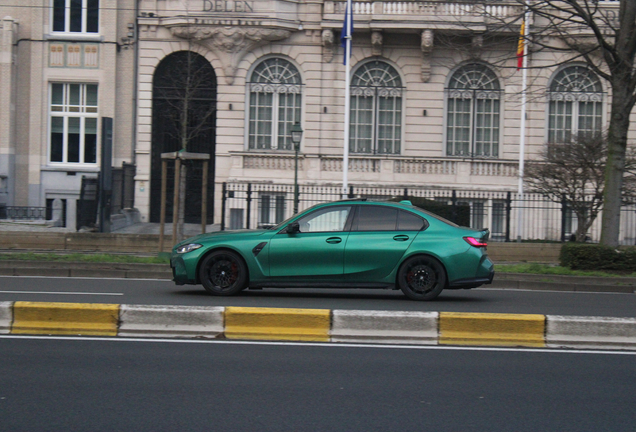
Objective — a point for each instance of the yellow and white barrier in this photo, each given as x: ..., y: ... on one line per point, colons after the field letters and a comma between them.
x: 323, y: 325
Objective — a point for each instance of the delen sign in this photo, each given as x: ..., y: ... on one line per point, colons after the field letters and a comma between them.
x: 227, y: 6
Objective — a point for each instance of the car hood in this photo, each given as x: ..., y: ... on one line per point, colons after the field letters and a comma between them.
x: 219, y: 235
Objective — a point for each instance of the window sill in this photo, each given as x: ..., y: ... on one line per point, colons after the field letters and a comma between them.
x: 71, y: 168
x: 74, y: 37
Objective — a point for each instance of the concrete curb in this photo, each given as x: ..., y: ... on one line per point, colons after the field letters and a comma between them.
x: 93, y: 319
x: 384, y: 327
x: 6, y: 317
x: 590, y: 332
x: 277, y: 324
x: 491, y: 329
x: 170, y: 321
x: 430, y: 328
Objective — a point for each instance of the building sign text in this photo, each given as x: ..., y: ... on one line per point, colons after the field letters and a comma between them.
x: 227, y: 6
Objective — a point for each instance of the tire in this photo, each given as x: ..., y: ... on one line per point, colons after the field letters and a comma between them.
x: 223, y: 273
x: 421, y: 278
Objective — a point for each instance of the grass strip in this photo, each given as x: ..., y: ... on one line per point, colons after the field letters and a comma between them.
x: 548, y: 269
x: 80, y: 257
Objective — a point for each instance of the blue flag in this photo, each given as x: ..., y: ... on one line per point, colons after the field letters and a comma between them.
x: 347, y: 30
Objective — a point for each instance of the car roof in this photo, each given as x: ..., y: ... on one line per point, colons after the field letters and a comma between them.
x: 368, y: 201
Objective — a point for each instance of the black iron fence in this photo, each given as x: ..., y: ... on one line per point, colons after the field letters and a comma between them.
x: 509, y: 216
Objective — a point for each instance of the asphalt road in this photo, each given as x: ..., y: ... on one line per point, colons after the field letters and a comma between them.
x: 157, y: 292
x: 120, y: 385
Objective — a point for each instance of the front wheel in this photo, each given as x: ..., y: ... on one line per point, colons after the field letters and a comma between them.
x: 223, y: 273
x: 421, y: 278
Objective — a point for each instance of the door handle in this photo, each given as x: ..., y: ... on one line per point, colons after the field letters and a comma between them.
x: 401, y: 237
x: 334, y: 240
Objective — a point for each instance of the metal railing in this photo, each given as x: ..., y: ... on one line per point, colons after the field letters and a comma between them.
x: 22, y: 213
x: 258, y: 205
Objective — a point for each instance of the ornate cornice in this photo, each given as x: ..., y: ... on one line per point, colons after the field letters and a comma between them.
x: 230, y: 44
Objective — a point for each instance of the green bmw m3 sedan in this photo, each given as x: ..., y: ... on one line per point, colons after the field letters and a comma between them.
x: 343, y: 244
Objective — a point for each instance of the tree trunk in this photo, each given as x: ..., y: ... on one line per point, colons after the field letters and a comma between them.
x: 182, y: 192
x: 617, y: 146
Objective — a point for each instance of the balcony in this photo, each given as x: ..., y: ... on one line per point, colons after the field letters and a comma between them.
x: 398, y: 170
x: 438, y: 15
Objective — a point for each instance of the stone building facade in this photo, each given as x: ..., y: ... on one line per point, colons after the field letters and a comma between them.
x: 65, y: 64
x: 435, y: 94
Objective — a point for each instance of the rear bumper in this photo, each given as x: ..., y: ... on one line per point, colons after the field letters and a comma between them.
x: 486, y: 268
x: 471, y: 283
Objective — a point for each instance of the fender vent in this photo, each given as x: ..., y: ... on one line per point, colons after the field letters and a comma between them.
x: 258, y: 248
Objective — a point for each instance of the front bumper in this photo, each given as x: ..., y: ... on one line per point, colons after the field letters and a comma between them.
x: 179, y: 272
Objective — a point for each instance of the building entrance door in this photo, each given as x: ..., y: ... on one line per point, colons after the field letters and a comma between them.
x: 183, y: 116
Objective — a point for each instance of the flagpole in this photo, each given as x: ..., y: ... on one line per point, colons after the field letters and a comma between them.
x: 522, y: 126
x: 347, y: 55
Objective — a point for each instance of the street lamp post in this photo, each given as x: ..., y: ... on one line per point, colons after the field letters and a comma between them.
x: 296, y: 136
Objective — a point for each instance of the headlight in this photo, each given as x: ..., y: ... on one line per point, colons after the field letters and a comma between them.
x: 188, y: 248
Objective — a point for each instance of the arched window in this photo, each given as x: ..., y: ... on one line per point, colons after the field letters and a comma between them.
x: 275, y: 104
x: 575, y: 100
x: 473, y: 116
x: 376, y: 110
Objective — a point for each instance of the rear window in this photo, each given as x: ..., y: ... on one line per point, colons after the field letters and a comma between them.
x: 439, y: 218
x: 376, y: 218
x: 409, y: 222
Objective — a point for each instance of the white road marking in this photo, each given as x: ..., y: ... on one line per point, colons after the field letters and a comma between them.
x: 328, y: 345
x: 61, y: 293
x: 87, y: 278
x: 553, y: 291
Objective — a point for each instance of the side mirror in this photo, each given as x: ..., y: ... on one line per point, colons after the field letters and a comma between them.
x: 293, y: 228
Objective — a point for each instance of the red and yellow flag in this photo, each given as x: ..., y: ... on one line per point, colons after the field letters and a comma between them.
x: 521, y: 45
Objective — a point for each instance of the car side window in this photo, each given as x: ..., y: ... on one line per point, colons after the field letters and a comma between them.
x: 331, y: 219
x: 376, y: 218
x: 410, y: 222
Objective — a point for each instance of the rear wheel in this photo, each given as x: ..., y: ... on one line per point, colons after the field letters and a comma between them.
x: 421, y: 278
x: 223, y: 273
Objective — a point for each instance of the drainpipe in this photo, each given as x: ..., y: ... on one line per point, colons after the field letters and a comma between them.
x: 133, y: 156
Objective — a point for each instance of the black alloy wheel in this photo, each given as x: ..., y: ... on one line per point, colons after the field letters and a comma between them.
x: 421, y: 278
x: 223, y: 273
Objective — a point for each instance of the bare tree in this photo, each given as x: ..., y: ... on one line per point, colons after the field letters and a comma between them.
x: 187, y: 80
x: 600, y: 33
x: 184, y: 92
x: 574, y: 171
x: 604, y: 36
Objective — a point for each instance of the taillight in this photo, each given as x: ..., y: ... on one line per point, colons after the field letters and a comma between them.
x: 474, y: 242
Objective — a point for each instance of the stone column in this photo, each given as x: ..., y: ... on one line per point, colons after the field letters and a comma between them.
x: 8, y: 33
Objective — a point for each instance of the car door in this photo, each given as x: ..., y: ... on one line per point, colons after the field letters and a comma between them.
x: 379, y: 237
x: 317, y: 250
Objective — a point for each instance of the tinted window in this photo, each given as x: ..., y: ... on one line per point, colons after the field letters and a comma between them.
x: 376, y: 218
x: 409, y: 222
